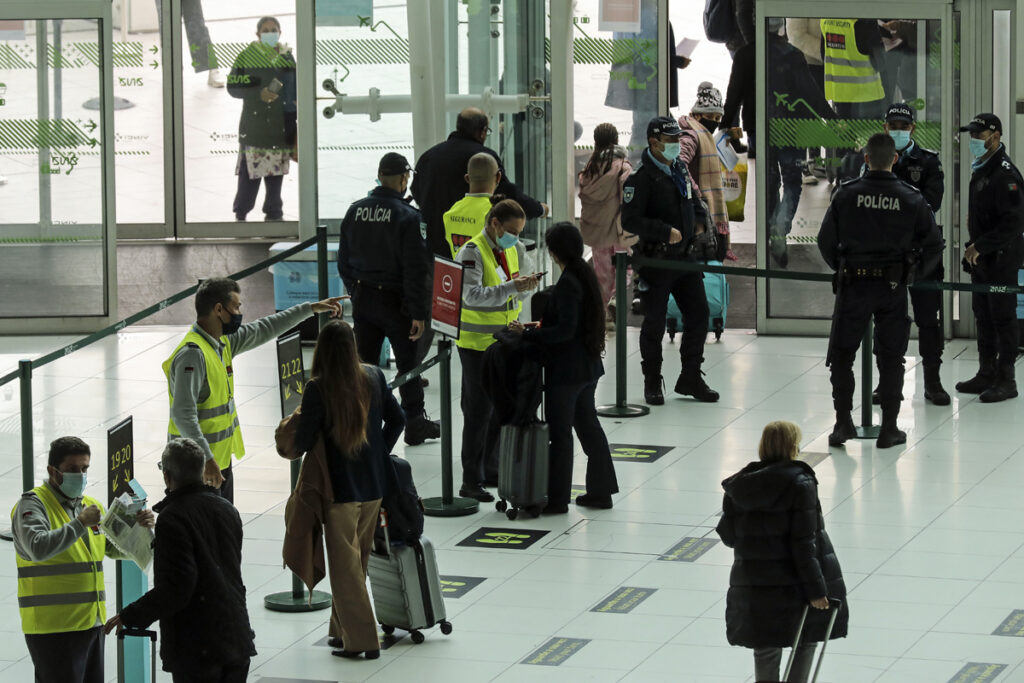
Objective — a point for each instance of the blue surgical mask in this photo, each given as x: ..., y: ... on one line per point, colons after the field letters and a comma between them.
x: 73, y: 485
x: 671, y: 151
x: 901, y: 138
x: 978, y: 149
x: 508, y: 240
x: 270, y: 38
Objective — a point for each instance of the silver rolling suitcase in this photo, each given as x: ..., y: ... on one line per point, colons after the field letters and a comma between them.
x: 142, y: 633
x: 834, y: 606
x: 406, y: 586
x: 523, y: 469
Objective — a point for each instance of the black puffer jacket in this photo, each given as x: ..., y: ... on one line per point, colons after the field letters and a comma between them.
x: 197, y: 593
x: 783, y: 558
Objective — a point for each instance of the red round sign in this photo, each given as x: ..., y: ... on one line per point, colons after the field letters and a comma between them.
x: 446, y: 283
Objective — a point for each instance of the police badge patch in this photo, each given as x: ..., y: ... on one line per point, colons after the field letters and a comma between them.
x: 627, y: 194
x: 423, y: 230
x: 915, y: 174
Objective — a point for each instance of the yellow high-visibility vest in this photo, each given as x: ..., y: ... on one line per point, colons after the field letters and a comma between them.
x: 65, y: 592
x: 479, y: 323
x: 466, y: 218
x: 218, y: 417
x: 849, y: 74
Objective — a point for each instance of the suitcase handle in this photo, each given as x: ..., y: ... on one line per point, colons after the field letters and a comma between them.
x: 135, y: 633
x: 384, y: 526
x: 834, y: 605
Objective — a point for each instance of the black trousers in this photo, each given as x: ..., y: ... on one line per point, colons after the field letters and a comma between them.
x: 69, y: 657
x: 227, y: 489
x: 480, y: 427
x: 235, y: 672
x: 996, y: 314
x: 248, y: 188
x: 860, y: 301
x: 377, y: 314
x: 568, y: 407
x: 688, y: 290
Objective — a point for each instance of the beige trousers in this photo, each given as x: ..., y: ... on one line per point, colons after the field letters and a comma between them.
x: 349, y: 537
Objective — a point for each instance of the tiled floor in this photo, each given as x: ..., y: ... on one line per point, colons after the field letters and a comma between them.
x: 929, y: 536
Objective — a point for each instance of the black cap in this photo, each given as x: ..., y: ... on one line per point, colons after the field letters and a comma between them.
x: 983, y: 122
x: 393, y: 163
x: 663, y: 125
x: 900, y: 112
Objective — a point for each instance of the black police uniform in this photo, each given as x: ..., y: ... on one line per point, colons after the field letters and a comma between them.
x: 653, y: 202
x: 871, y: 231
x: 995, y: 224
x: 382, y: 259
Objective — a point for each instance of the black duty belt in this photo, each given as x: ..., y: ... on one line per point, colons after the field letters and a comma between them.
x: 892, y: 272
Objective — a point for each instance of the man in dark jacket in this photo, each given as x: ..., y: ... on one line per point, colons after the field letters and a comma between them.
x: 995, y: 253
x: 383, y: 262
x: 658, y: 205
x: 197, y: 593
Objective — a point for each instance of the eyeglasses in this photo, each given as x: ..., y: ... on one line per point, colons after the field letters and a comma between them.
x: 488, y: 129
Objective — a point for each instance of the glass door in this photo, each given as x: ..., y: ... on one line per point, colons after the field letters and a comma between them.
x: 808, y: 138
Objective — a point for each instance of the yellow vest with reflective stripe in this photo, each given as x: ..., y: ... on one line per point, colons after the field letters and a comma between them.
x: 480, y: 323
x: 466, y: 219
x: 849, y: 75
x: 65, y: 592
x: 218, y: 416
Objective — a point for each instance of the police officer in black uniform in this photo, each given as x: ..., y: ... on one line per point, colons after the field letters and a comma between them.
x: 382, y: 259
x: 921, y: 168
x: 658, y: 205
x: 993, y: 256
x: 877, y: 234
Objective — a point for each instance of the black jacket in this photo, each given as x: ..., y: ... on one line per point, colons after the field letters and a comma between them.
x: 878, y: 220
x: 559, y: 338
x: 381, y: 244
x: 652, y: 204
x: 996, y: 215
x: 264, y: 125
x: 783, y: 558
x: 197, y: 593
x: 917, y: 166
x: 440, y: 182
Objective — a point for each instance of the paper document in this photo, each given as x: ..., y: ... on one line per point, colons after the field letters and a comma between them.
x: 123, y: 530
x: 726, y: 153
x: 686, y: 47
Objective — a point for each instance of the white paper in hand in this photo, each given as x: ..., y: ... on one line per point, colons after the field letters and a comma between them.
x: 726, y: 153
x: 686, y: 47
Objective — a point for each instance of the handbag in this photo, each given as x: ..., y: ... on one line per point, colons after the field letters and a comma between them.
x: 284, y: 436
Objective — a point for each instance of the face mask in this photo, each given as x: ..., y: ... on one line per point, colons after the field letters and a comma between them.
x: 978, y: 149
x: 710, y: 124
x: 270, y: 38
x: 508, y: 240
x: 671, y: 151
x: 901, y: 138
x: 73, y: 485
x: 232, y: 326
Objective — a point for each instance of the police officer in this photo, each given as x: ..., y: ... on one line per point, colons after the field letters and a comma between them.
x: 870, y: 235
x: 921, y: 168
x: 659, y: 206
x: 382, y: 258
x: 993, y: 256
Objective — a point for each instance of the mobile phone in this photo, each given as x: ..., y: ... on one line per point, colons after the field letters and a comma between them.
x: 275, y: 86
x: 532, y: 325
x: 538, y: 275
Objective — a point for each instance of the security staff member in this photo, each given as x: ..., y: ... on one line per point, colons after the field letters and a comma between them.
x: 492, y: 287
x: 466, y: 219
x: 60, y: 555
x: 200, y: 374
x: 921, y: 168
x: 382, y: 259
x: 870, y: 235
x: 993, y: 256
x: 659, y: 206
x: 853, y: 49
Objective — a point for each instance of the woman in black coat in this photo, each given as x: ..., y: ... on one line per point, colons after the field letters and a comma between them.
x: 783, y: 559
x: 570, y: 341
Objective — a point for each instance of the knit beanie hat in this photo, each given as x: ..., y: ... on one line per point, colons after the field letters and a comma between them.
x: 709, y: 100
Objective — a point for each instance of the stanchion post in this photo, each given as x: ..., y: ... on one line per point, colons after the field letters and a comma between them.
x: 323, y: 287
x: 27, y: 454
x: 867, y: 430
x: 621, y: 407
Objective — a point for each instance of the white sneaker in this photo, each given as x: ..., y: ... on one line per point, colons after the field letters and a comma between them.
x: 215, y: 79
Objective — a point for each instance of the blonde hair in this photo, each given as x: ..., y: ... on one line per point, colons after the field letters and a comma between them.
x: 780, y: 441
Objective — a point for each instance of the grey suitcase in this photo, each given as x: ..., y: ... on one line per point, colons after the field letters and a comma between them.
x: 523, y: 469
x: 142, y: 633
x: 406, y: 586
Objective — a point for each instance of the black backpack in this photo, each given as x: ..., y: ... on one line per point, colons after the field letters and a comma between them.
x: 719, y: 21
x: 402, y: 502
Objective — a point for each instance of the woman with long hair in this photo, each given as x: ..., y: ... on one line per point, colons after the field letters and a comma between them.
x: 600, y: 193
x: 350, y: 406
x: 571, y: 338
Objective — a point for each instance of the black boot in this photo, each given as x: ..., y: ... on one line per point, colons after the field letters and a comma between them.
x: 654, y: 392
x: 844, y: 429
x: 985, y: 378
x: 890, y: 434
x: 933, y: 390
x: 421, y: 428
x: 1005, y: 386
x: 691, y: 383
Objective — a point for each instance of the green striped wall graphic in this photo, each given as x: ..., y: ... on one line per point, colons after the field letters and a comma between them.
x: 30, y: 133
x: 841, y: 133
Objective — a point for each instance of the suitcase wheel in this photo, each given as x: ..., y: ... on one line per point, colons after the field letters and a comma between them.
x: 446, y: 627
x: 416, y: 636
x: 512, y: 513
x: 501, y: 506
x: 388, y: 630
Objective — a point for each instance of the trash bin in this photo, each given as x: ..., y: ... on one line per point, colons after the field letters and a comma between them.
x: 295, y: 282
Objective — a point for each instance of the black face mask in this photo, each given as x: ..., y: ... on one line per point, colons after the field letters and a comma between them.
x: 711, y: 125
x: 232, y: 326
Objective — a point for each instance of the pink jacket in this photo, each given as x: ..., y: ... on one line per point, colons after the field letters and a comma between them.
x: 600, y: 215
